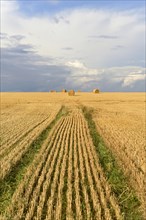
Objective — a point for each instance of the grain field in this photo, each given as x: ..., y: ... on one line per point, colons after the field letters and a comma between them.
x: 65, y: 169
x: 72, y: 157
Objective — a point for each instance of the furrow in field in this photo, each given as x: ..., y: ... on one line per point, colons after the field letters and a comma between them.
x: 96, y: 184
x: 57, y: 160
x: 12, y: 142
x: 10, y: 160
x: 69, y: 212
x: 61, y: 193
x: 18, y: 125
x: 129, y: 156
x: 83, y: 174
x: 23, y: 121
x: 95, y: 203
x: 13, y: 132
x: 76, y: 176
x: 103, y: 182
x: 23, y: 194
x: 56, y: 190
x: 65, y: 179
x: 37, y: 202
x: 107, y: 200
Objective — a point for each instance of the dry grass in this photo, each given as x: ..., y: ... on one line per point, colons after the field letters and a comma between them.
x: 81, y: 190
x: 21, y: 125
x: 123, y: 130
x: 95, y: 90
x: 48, y: 174
x: 121, y: 122
x: 71, y: 93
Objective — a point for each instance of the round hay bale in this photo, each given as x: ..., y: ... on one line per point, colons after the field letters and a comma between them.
x: 64, y: 90
x: 53, y: 91
x: 79, y: 90
x: 71, y: 93
x: 95, y: 90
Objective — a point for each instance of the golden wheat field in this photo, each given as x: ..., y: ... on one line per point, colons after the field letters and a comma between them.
x: 72, y: 157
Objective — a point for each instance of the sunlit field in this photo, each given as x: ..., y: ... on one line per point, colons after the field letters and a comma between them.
x: 72, y: 157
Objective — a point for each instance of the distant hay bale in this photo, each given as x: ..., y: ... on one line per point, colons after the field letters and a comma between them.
x: 64, y: 90
x: 95, y: 90
x: 53, y: 91
x: 71, y: 93
x: 79, y: 90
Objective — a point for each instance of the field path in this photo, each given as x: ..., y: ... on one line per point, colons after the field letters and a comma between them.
x: 65, y: 179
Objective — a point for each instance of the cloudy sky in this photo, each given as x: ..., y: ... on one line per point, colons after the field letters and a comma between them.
x: 55, y: 44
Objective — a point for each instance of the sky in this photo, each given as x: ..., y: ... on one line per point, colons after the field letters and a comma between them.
x: 81, y: 45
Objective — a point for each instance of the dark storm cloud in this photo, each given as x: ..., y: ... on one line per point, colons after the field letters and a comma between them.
x: 23, y: 70
x: 19, y: 49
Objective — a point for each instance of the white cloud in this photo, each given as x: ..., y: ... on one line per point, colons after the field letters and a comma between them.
x: 126, y: 76
x: 76, y: 64
x: 9, y: 6
x: 80, y: 69
x: 132, y: 78
x: 72, y: 28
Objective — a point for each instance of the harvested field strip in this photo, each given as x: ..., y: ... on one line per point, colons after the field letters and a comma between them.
x: 65, y: 179
x: 11, y: 159
x: 44, y: 181
x: 78, y: 201
x: 126, y: 155
x: 13, y: 142
x: 127, y: 199
x: 26, y: 119
x: 84, y: 182
x: 59, y: 178
x: 10, y: 183
x: 100, y: 182
x: 21, y: 122
x: 68, y: 198
x: 43, y: 166
x: 18, y: 123
x: 52, y: 186
x: 100, y: 208
x: 20, y: 129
